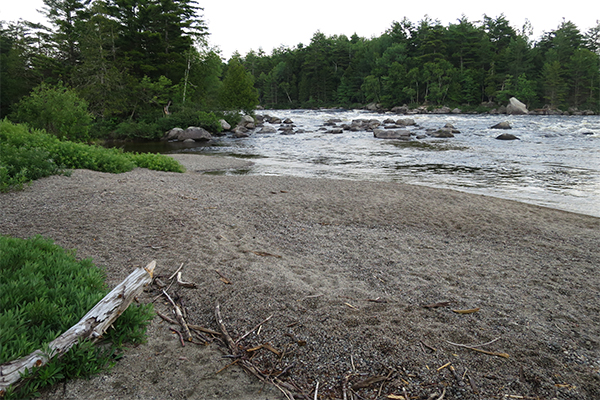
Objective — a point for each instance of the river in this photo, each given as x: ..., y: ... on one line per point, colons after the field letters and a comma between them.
x: 556, y: 162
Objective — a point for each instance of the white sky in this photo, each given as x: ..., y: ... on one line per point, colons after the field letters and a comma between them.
x: 252, y: 24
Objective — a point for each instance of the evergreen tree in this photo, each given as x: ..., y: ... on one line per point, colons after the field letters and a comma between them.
x: 238, y: 92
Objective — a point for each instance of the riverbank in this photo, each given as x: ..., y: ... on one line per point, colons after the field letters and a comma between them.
x: 345, y: 268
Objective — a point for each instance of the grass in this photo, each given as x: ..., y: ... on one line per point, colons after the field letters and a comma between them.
x: 28, y: 154
x: 44, y: 290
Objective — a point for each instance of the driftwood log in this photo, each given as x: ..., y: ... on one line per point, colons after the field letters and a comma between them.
x: 92, y: 326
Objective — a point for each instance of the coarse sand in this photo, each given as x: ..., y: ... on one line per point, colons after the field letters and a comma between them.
x: 344, y: 269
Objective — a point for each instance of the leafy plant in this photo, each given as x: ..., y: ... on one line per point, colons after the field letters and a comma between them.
x: 44, y: 290
x: 58, y: 110
x: 155, y: 161
x: 26, y: 155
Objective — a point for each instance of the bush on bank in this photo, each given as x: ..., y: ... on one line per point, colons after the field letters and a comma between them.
x: 27, y: 154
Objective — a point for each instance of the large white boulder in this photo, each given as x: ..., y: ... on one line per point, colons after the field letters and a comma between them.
x: 515, y: 107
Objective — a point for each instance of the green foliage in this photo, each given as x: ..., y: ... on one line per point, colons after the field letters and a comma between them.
x: 155, y: 161
x: 238, y: 92
x: 28, y: 155
x: 57, y: 109
x: 44, y: 290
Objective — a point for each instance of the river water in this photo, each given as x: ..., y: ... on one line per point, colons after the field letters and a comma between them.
x: 556, y: 162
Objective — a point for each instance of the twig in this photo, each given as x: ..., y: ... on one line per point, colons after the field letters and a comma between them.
x: 227, y: 366
x: 230, y: 343
x: 316, y: 390
x: 444, y: 366
x: 190, y: 285
x: 179, y: 317
x: 428, y: 346
x: 474, y: 345
x: 443, y: 394
x: 205, y: 330
x: 253, y: 329
x: 223, y: 278
x: 180, y: 336
x: 169, y: 320
x: 311, y: 296
x: 175, y: 273
x: 474, y: 348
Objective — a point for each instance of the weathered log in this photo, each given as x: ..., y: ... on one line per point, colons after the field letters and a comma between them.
x: 92, y: 326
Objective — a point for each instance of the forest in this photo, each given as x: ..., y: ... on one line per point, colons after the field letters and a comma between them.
x: 136, y: 68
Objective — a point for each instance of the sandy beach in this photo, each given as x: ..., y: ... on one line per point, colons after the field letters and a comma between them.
x: 344, y: 268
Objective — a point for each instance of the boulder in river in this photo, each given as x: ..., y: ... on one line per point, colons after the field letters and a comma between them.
x: 391, y: 134
x: 502, y: 125
x: 507, y: 136
x: 196, y: 133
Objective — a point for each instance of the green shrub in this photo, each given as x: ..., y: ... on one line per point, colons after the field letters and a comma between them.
x: 156, y: 162
x: 44, y: 290
x: 26, y: 155
x: 56, y: 109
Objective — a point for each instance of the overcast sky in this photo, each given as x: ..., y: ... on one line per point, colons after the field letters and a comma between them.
x: 241, y: 25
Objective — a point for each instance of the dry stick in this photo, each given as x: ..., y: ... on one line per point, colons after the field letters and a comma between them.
x: 253, y: 329
x: 442, y: 396
x: 163, y: 316
x: 180, y: 336
x: 474, y: 348
x: 230, y: 343
x: 175, y: 273
x: 316, y: 390
x: 179, y: 317
x: 190, y: 285
x: 205, y: 330
x: 228, y: 365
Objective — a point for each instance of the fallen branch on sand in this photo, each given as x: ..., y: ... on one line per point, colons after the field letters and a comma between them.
x: 92, y: 326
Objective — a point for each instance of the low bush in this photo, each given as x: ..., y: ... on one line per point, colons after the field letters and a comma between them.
x: 44, y: 290
x: 58, y: 110
x: 29, y: 154
x: 155, y: 161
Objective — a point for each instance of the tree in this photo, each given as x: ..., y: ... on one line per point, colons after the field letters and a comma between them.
x: 58, y: 110
x: 238, y: 92
x: 555, y: 86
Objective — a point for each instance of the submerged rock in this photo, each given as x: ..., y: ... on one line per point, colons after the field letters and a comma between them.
x: 502, y: 125
x: 507, y: 136
x: 391, y: 134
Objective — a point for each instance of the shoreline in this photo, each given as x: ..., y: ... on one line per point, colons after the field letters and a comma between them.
x: 345, y: 267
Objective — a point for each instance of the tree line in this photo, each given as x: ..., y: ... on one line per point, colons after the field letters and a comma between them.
x: 465, y: 63
x: 135, y: 68
x: 138, y: 67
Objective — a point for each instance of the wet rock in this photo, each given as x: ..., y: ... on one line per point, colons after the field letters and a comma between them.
x: 288, y: 121
x: 391, y: 134
x: 335, y: 130
x: 507, y: 136
x: 195, y: 133
x: 443, y: 133
x: 268, y: 129
x: 406, y: 122
x: 502, y: 125
x: 241, y: 132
